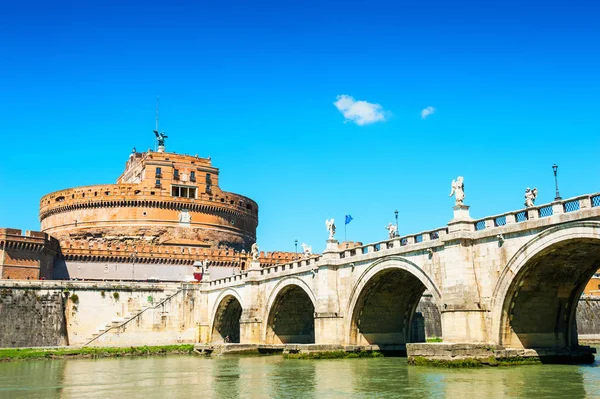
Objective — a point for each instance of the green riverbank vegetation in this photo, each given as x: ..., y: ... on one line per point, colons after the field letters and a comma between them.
x: 9, y: 354
x: 470, y: 363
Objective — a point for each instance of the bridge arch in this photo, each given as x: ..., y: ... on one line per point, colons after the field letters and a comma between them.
x: 290, y: 313
x: 225, y: 317
x: 384, y: 300
x: 535, y: 300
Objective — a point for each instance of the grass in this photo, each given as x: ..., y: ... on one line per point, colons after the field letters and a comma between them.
x: 332, y: 355
x: 470, y: 363
x: 63, y: 353
x: 435, y: 339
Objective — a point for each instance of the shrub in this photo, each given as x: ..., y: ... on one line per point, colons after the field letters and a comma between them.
x: 116, y: 296
x: 75, y: 298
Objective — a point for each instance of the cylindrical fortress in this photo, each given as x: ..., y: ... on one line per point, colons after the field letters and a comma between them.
x: 161, y: 199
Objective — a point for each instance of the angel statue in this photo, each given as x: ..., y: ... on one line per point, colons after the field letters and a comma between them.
x: 530, y: 196
x: 458, y: 190
x: 254, y: 251
x: 392, y: 230
x: 330, y: 228
x: 307, y: 250
x: 160, y: 137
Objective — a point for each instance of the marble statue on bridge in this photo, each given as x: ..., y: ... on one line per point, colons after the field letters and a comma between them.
x: 330, y: 224
x: 306, y: 250
x: 530, y: 196
x: 458, y: 190
x: 254, y: 251
x: 392, y: 230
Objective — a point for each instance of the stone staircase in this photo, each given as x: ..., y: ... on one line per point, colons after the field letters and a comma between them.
x: 119, y: 322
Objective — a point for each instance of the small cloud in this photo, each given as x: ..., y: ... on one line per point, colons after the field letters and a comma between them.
x: 426, y: 112
x: 359, y: 112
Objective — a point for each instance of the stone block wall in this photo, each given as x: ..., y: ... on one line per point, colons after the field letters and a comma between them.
x: 431, y: 316
x: 588, y: 316
x: 32, y: 318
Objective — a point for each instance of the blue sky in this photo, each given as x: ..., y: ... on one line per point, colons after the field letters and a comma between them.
x: 515, y: 88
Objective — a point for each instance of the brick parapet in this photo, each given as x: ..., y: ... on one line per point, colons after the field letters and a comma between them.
x: 128, y: 195
x: 169, y: 255
x: 31, y: 241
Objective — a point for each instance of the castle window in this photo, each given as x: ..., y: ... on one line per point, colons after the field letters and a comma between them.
x: 192, y: 176
x: 176, y: 174
x: 158, y: 172
x: 208, y: 183
x: 183, y: 192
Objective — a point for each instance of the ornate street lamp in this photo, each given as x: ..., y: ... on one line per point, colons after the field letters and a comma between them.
x: 555, y: 169
x: 296, y: 244
x: 396, y: 213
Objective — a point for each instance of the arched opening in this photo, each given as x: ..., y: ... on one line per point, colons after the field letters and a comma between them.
x: 384, y: 313
x: 291, y: 318
x: 226, y: 325
x: 539, y: 308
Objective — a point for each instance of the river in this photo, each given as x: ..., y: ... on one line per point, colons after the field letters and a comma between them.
x: 275, y: 377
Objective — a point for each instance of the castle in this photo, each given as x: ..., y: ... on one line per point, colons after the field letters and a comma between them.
x: 165, y: 212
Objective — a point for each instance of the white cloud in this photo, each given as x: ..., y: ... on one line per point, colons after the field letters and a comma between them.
x: 359, y: 112
x: 426, y: 112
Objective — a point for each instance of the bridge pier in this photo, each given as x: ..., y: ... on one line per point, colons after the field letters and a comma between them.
x: 250, y: 330
x: 462, y: 325
x: 329, y: 328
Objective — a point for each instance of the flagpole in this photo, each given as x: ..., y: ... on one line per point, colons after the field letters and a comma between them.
x: 345, y: 224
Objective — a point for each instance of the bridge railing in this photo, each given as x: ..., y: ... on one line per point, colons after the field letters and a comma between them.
x: 299, y: 264
x: 538, y: 212
x: 396, y: 242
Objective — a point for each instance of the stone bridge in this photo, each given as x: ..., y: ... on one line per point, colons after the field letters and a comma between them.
x: 512, y: 279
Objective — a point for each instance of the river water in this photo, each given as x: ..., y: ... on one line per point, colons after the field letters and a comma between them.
x: 274, y: 377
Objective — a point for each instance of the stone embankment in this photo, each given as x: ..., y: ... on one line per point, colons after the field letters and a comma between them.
x: 302, y: 349
x: 468, y: 355
x: 59, y: 313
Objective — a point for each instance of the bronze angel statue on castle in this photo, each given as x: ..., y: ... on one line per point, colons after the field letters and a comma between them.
x: 160, y: 137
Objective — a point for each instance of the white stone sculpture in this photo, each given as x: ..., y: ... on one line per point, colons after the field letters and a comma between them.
x: 458, y: 190
x: 307, y: 250
x: 330, y: 224
x: 530, y: 196
x: 392, y: 230
x: 254, y: 251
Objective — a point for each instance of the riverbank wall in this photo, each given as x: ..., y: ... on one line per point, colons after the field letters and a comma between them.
x: 58, y: 313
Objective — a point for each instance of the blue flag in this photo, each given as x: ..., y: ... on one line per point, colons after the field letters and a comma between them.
x: 348, y: 219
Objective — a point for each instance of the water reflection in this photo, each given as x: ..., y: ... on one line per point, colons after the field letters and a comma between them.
x: 274, y: 377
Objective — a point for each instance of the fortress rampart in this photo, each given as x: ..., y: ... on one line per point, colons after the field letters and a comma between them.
x: 160, y: 199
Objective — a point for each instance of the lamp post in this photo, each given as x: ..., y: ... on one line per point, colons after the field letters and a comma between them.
x: 555, y: 169
x: 396, y: 214
x: 296, y: 244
